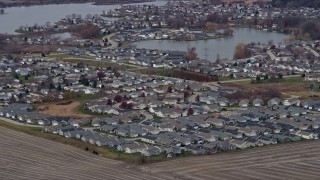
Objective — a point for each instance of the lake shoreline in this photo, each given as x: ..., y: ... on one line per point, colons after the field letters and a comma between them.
x: 211, y: 48
x: 94, y: 2
x: 16, y: 17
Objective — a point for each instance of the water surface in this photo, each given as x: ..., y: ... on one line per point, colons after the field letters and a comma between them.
x: 209, y: 49
x: 14, y: 17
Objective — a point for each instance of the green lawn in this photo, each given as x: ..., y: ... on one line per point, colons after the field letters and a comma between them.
x: 98, y: 63
x: 86, y: 97
x: 28, y: 130
x: 225, y: 79
x: 23, y: 78
x: 106, y: 63
x: 292, y: 80
x: 69, y: 56
x: 284, y: 80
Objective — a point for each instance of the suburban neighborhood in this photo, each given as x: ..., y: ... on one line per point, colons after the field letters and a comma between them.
x: 159, y: 89
x: 83, y: 78
x: 150, y: 114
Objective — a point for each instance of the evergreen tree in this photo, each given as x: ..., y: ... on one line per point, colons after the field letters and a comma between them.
x: 59, y: 87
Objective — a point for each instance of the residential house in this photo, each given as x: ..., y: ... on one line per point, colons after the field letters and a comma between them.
x: 240, y: 144
x: 244, y: 103
x: 257, y: 102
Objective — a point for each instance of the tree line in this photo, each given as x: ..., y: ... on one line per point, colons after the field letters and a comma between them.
x: 264, y: 94
x: 86, y: 31
x: 296, y: 3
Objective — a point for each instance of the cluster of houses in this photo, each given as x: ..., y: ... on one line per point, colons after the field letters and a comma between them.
x: 131, y: 55
x: 162, y: 34
x: 267, y: 59
x: 256, y: 125
x: 194, y: 13
x: 152, y: 115
x: 102, y: 139
x: 276, y: 122
x: 137, y: 22
x: 293, y: 58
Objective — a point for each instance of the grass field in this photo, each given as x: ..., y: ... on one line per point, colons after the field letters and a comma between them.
x: 91, y: 61
x: 294, y: 85
x: 68, y: 56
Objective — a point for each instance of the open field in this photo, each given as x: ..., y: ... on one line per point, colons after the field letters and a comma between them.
x: 72, y: 107
x: 293, y: 85
x: 54, y: 109
x: 102, y: 151
x: 288, y: 161
x: 90, y: 61
x: 27, y: 157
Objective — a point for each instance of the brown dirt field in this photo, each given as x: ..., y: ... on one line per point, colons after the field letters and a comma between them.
x: 287, y: 161
x: 282, y: 86
x: 59, y: 109
x: 288, y: 89
x: 304, y: 94
x: 27, y: 157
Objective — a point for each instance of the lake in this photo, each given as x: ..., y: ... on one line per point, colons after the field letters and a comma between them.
x: 30, y: 15
x: 208, y: 49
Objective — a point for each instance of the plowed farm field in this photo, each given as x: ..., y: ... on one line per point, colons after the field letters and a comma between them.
x: 27, y: 157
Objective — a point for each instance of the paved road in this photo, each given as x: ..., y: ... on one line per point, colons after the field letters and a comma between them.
x: 315, y: 53
x: 193, y: 97
x: 272, y: 56
x: 147, y: 115
x: 111, y: 41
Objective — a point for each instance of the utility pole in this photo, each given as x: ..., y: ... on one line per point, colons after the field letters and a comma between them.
x: 43, y: 54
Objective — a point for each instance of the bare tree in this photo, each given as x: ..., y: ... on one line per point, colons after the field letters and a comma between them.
x: 242, y: 51
x: 191, y: 54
